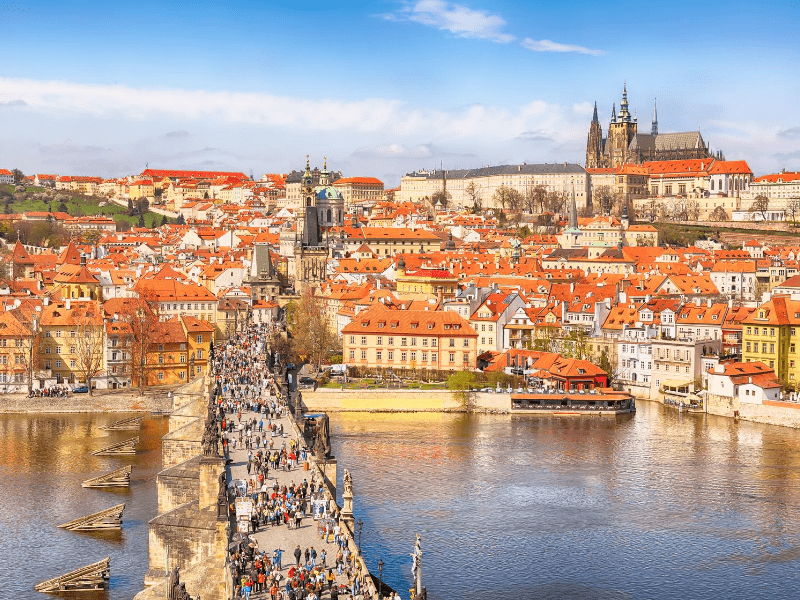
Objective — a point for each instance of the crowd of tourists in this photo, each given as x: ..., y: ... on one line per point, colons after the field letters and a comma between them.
x: 252, y: 412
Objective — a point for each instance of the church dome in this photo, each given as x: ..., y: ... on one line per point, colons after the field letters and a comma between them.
x: 328, y: 192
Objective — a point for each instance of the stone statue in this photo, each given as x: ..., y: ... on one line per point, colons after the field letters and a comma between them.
x: 322, y: 442
x: 175, y: 589
x: 348, y: 483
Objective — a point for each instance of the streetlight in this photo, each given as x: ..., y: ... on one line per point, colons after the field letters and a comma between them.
x: 360, y: 524
x: 380, y: 577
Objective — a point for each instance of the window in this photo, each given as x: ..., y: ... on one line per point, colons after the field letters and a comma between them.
x: 391, y: 341
x: 413, y: 341
x: 363, y: 340
x: 433, y: 357
x: 199, y: 338
x: 403, y: 357
x: 352, y: 354
x: 413, y: 356
x: 424, y: 341
x: 424, y: 357
x: 491, y: 327
x: 433, y: 342
x: 58, y: 364
x: 363, y: 355
x: 452, y: 357
x: 47, y: 365
x: 391, y: 355
x: 72, y: 364
x: 402, y: 341
x: 466, y: 357
x: 161, y: 359
x: 772, y: 348
x: 452, y: 342
x: 47, y: 350
x: 466, y: 342
x: 378, y: 355
x: 483, y: 327
x: 352, y: 339
x: 380, y: 340
x: 199, y: 354
x: 183, y: 359
x: 72, y: 349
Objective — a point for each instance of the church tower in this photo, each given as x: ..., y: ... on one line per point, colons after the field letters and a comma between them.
x: 621, y: 132
x: 594, y: 143
x: 654, y: 126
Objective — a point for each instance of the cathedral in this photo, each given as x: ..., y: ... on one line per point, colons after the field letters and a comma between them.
x: 624, y: 144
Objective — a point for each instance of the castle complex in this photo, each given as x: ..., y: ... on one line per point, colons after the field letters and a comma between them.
x: 624, y: 144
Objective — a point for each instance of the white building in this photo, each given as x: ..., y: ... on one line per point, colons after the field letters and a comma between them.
x: 749, y: 383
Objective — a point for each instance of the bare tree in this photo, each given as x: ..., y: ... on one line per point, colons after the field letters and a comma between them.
x: 474, y: 197
x: 313, y: 338
x: 535, y: 198
x: 442, y: 197
x: 507, y: 198
x: 605, y: 198
x: 718, y: 214
x: 89, y: 341
x: 28, y: 345
x: 793, y: 209
x: 141, y: 316
x: 760, y: 206
x: 555, y: 202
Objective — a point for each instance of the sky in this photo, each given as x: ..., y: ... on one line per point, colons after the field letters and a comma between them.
x: 386, y: 87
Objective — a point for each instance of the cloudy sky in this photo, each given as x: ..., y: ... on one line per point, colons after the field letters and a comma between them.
x: 383, y: 88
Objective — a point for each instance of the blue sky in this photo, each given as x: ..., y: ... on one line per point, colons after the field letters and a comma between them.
x: 382, y: 88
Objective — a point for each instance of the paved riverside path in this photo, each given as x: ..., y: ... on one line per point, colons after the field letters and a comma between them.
x: 272, y: 537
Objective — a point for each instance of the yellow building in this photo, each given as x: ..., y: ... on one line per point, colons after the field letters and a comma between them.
x: 422, y: 283
x: 178, y: 351
x: 771, y: 334
x: 72, y: 346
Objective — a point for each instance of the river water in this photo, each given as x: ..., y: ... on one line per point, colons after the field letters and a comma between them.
x: 43, y: 460
x: 654, y: 505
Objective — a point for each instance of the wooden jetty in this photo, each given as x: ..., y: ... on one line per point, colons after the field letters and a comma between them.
x: 90, y: 577
x: 117, y: 478
x: 124, y: 447
x: 129, y: 423
x: 110, y: 518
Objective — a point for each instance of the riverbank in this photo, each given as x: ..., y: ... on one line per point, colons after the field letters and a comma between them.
x: 110, y: 401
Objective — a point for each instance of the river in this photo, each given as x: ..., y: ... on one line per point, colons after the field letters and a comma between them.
x: 654, y: 505
x: 43, y: 460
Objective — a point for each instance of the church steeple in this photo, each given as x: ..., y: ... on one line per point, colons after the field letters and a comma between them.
x: 325, y: 176
x: 614, y: 112
x: 654, y: 126
x: 594, y: 117
x: 624, y: 114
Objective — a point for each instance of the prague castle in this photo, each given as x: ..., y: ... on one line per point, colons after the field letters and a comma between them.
x: 624, y: 144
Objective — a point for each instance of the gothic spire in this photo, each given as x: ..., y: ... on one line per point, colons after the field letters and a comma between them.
x: 614, y: 112
x: 624, y: 114
x: 594, y: 117
x: 654, y: 127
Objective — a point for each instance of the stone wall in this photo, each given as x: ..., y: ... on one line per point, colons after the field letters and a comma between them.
x: 178, y: 485
x: 182, y: 444
x: 786, y: 414
x: 383, y: 400
x: 189, y: 533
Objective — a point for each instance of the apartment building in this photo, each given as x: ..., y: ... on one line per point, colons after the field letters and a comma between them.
x: 385, y: 338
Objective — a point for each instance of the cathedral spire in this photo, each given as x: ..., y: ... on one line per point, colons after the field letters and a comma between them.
x: 614, y: 112
x: 624, y: 114
x: 573, y: 212
x: 594, y: 117
x: 654, y: 126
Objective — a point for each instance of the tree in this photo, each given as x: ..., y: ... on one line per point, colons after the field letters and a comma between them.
x: 760, y: 206
x: 63, y: 208
x: 18, y: 176
x: 474, y: 197
x: 313, y: 338
x: 442, y: 197
x: 535, y: 198
x: 143, y: 325
x: 605, y: 364
x: 605, y: 198
x: 130, y: 207
x: 141, y: 220
x: 718, y: 214
x: 164, y: 220
x: 507, y: 198
x: 89, y: 341
x: 793, y: 209
x: 462, y: 383
x: 555, y: 202
x: 181, y: 219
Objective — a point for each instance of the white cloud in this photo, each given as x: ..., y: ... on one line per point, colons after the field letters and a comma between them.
x: 455, y: 18
x: 550, y: 46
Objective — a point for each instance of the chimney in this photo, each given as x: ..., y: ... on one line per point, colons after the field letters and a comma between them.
x: 708, y: 302
x: 66, y: 304
x: 46, y: 301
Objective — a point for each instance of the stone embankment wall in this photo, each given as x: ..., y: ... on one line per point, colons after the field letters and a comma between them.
x: 383, y: 400
x: 99, y: 402
x: 786, y: 414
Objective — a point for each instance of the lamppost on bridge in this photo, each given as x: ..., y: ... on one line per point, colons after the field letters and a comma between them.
x: 380, y: 578
x: 360, y: 525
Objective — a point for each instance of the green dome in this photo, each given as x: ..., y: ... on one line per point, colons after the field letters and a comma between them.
x: 328, y: 192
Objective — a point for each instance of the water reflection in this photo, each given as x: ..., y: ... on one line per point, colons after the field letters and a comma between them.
x: 43, y: 461
x: 656, y: 505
